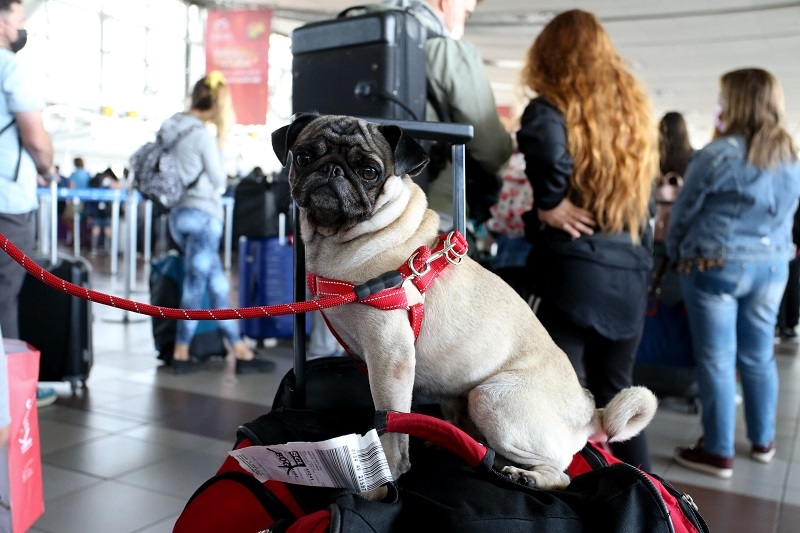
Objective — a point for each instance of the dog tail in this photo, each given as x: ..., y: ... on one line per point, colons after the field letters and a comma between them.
x: 625, y: 416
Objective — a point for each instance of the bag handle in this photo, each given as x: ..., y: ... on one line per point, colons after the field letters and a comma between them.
x: 438, y: 432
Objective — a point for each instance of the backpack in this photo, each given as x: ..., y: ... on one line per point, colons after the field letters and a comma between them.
x: 452, y: 486
x: 155, y: 173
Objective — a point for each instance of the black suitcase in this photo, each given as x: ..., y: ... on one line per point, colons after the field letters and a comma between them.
x: 57, y: 324
x: 369, y: 65
x: 166, y: 283
x: 258, y: 202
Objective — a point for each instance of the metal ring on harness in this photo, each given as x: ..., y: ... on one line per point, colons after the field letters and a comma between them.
x: 450, y: 247
x: 414, y: 270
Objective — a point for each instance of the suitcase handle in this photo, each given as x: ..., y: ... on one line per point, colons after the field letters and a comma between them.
x: 438, y: 432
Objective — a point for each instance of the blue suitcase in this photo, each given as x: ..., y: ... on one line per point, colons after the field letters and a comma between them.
x: 266, y: 277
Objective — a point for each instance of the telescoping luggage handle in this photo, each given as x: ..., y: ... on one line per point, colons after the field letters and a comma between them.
x: 456, y: 134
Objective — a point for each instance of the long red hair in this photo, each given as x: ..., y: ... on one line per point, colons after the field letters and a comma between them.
x: 611, y: 133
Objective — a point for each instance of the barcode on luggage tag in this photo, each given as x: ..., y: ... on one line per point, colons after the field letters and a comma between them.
x: 352, y: 462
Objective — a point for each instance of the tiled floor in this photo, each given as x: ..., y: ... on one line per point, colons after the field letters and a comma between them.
x: 125, y: 454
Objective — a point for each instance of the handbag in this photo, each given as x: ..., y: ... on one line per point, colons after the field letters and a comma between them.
x: 666, y: 339
x: 21, y: 483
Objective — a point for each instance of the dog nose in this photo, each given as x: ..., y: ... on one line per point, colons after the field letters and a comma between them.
x: 333, y: 170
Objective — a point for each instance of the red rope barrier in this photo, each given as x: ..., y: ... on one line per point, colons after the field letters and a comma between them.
x: 169, y: 312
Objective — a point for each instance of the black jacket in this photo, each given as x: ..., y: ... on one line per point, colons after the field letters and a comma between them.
x: 599, y: 280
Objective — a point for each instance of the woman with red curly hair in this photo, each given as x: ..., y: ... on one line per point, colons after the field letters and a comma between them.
x: 590, y: 146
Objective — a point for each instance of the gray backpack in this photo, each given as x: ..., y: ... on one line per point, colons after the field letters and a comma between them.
x: 155, y: 173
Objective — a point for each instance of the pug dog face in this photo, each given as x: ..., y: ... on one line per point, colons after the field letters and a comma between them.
x: 341, y: 164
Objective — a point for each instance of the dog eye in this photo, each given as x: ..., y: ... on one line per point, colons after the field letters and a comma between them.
x: 302, y: 159
x: 369, y: 173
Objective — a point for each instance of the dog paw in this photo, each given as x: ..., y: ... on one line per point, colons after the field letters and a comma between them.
x: 376, y: 495
x: 539, y: 476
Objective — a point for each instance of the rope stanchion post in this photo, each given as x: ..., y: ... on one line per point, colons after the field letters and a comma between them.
x: 76, y: 225
x: 129, y: 258
x: 148, y: 230
x: 53, y: 222
x: 115, y: 233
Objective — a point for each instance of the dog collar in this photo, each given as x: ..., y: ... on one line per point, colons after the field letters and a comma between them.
x: 389, y: 291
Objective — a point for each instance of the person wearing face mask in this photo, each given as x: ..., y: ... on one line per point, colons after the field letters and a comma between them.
x: 26, y: 156
x: 459, y: 83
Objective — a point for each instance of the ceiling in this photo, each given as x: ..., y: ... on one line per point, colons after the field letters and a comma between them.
x: 678, y: 48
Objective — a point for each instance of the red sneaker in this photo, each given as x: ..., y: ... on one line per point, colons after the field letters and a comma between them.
x: 696, y: 458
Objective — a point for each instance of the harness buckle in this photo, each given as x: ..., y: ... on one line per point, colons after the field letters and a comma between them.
x: 416, y: 272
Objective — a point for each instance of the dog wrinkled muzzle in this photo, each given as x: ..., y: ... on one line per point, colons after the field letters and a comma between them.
x: 330, y: 198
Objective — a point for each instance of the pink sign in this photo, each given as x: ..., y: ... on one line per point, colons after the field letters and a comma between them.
x: 237, y: 44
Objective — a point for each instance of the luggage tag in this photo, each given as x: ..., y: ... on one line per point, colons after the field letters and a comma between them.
x: 355, y: 462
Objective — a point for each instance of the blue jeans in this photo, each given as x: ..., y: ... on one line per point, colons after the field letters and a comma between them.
x: 732, y: 313
x: 198, y: 234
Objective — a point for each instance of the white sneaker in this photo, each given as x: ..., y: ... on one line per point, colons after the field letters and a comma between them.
x: 763, y: 454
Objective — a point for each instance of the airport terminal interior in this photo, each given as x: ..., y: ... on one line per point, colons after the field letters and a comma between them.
x: 124, y: 452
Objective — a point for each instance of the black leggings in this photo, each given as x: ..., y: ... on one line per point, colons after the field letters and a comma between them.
x: 604, y: 366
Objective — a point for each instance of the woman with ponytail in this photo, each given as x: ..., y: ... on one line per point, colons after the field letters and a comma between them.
x: 196, y: 223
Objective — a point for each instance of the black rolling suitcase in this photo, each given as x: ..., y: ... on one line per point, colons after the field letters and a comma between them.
x: 258, y: 202
x: 369, y: 61
x: 57, y: 324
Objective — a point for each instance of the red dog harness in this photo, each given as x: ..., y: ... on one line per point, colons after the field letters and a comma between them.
x: 388, y: 291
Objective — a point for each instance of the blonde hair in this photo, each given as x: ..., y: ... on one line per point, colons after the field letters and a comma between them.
x: 753, y: 106
x: 611, y: 134
x: 212, y: 93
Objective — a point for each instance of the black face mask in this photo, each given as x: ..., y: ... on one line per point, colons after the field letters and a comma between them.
x: 19, y: 44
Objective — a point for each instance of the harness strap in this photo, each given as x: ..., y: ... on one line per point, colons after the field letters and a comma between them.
x: 422, y: 268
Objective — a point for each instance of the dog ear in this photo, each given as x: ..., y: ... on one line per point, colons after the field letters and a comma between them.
x: 409, y: 157
x: 283, y: 138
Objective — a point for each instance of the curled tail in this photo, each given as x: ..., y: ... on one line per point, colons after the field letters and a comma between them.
x: 625, y: 416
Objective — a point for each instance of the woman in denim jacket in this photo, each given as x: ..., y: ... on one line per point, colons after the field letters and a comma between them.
x: 730, y: 234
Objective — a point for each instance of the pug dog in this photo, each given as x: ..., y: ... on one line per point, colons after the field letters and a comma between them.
x: 481, y: 351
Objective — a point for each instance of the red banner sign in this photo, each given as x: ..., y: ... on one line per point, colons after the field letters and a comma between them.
x: 237, y: 44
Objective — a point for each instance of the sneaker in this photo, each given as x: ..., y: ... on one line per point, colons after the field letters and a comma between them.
x: 763, y: 454
x: 696, y: 458
x: 45, y: 396
x: 788, y: 334
x: 254, y: 366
